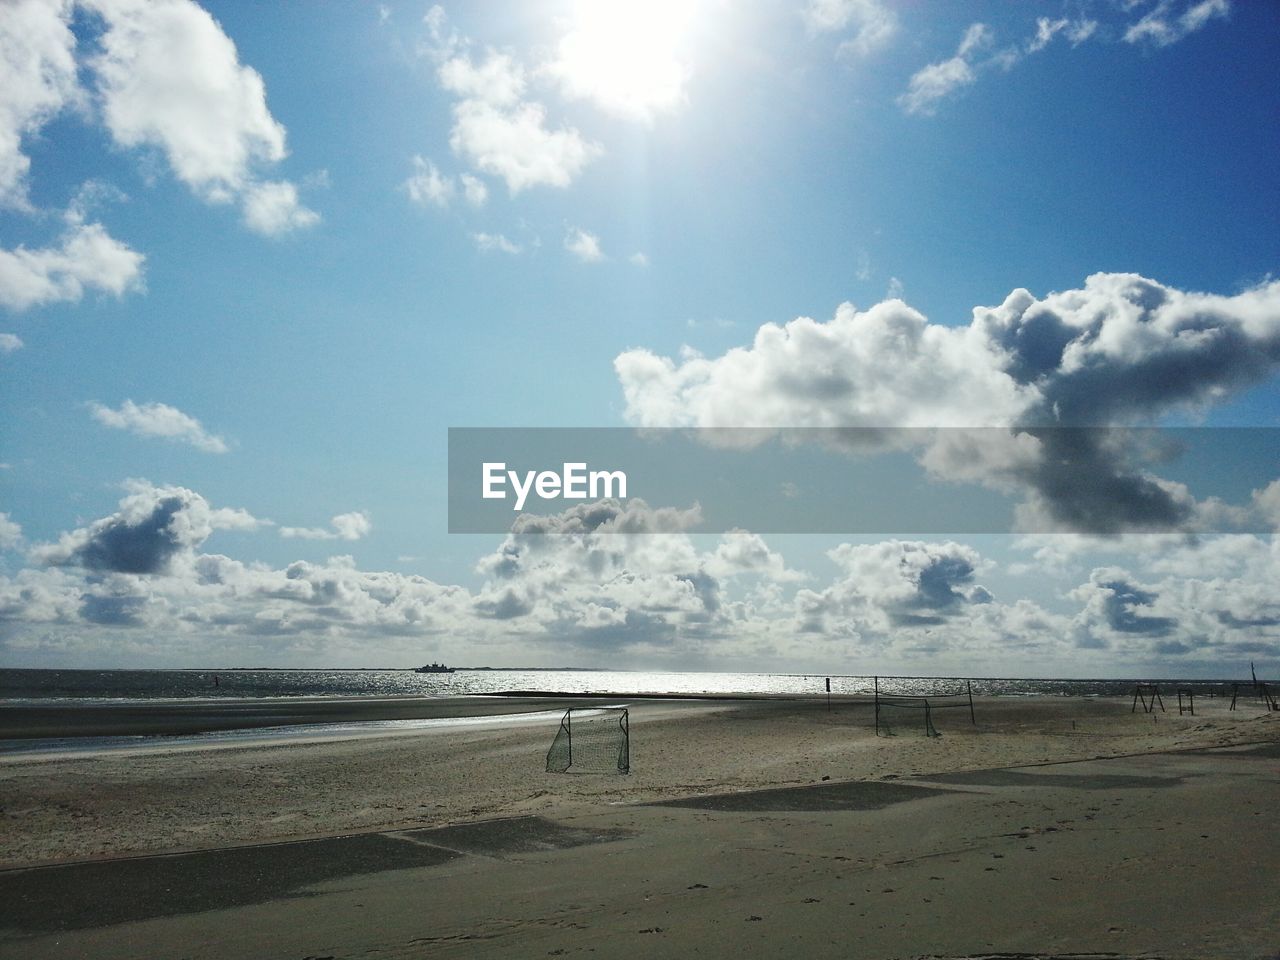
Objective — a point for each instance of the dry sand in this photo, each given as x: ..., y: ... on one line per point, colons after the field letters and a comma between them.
x: 123, y: 802
x: 1167, y: 854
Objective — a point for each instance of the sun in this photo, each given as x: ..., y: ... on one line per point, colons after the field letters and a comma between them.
x: 629, y: 56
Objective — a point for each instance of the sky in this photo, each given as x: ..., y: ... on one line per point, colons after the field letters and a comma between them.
x: 256, y: 260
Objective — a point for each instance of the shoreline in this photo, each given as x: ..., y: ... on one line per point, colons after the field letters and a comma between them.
x: 21, y: 721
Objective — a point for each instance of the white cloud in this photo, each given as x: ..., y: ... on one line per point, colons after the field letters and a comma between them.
x: 137, y: 580
x: 273, y: 209
x: 887, y: 366
x: 158, y: 420
x: 1046, y: 30
x: 37, y: 61
x: 1081, y: 30
x: 940, y: 80
x: 10, y: 532
x: 1161, y: 29
x: 428, y: 185
x: 897, y: 584
x: 977, y: 36
x: 88, y: 258
x: 583, y: 245
x: 1122, y: 350
x: 495, y: 129
x: 638, y: 259
x: 495, y: 242
x: 498, y: 81
x: 170, y: 78
x: 515, y: 144
x: 474, y: 190
x: 1076, y: 32
x: 935, y: 82
x: 9, y: 342
x: 872, y: 23
x: 346, y: 526
x: 352, y: 526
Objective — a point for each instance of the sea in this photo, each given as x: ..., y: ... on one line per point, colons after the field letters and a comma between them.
x: 32, y: 686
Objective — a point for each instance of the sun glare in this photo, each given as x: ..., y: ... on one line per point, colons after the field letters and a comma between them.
x: 629, y: 56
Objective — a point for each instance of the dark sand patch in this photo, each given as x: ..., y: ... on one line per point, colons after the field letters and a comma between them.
x: 77, y: 896
x: 851, y: 795
x: 1020, y: 778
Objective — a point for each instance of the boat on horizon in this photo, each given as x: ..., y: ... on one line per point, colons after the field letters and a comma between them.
x: 433, y: 668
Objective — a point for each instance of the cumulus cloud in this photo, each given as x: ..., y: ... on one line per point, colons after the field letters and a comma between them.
x: 884, y: 367
x: 10, y: 532
x: 345, y: 526
x: 170, y: 78
x: 515, y: 144
x: 154, y: 528
x: 37, y: 61
x: 1122, y: 350
x: 896, y: 584
x: 871, y: 23
x: 497, y: 130
x: 583, y: 245
x: 1113, y: 602
x: 86, y: 258
x: 627, y: 580
x: 1162, y: 27
x: 158, y: 420
x: 586, y: 575
x: 273, y: 209
x: 9, y: 342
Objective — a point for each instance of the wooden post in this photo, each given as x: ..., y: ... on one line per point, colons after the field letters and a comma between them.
x: 969, y: 686
x: 828, y: 694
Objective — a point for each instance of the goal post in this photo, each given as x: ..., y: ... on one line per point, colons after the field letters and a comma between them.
x: 903, y: 712
x: 591, y: 740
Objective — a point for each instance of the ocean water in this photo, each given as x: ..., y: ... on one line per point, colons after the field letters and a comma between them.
x: 42, y: 685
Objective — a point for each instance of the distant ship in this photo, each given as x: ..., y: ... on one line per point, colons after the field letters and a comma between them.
x: 433, y: 668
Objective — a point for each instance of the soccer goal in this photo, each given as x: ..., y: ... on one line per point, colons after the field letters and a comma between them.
x: 591, y: 740
x: 901, y: 713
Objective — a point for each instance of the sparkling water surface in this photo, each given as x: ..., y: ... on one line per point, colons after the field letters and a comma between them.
x: 29, y: 685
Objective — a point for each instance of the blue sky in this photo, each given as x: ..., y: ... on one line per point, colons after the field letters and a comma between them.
x: 255, y: 260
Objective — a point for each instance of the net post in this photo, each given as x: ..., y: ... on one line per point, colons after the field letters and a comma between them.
x: 969, y: 686
x: 877, y: 682
x: 624, y: 757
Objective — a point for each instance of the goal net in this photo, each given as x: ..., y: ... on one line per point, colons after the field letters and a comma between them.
x: 591, y: 740
x: 898, y: 714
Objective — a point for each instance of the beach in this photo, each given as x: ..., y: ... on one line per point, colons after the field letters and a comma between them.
x: 1132, y: 812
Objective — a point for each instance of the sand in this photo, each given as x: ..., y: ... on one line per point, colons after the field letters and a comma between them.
x: 1172, y: 846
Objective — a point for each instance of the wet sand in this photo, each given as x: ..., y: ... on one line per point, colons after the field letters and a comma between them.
x: 726, y: 838
x: 20, y: 721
